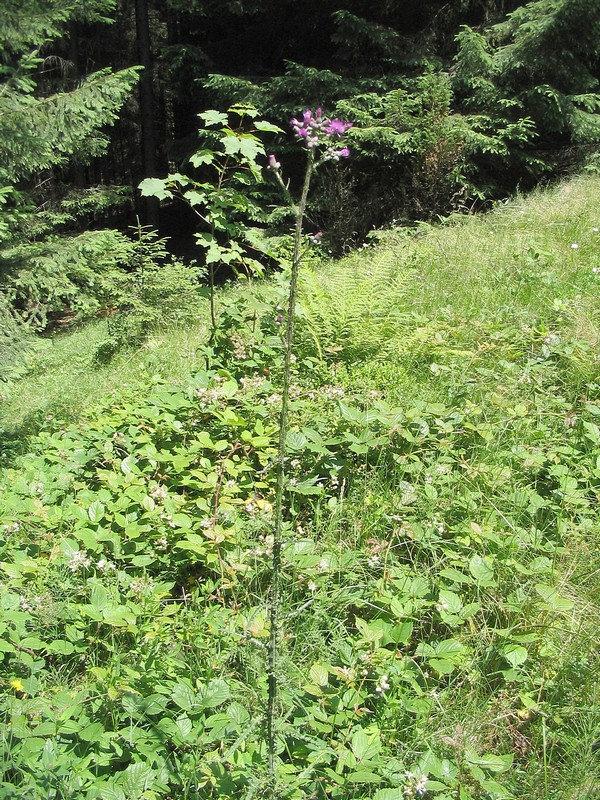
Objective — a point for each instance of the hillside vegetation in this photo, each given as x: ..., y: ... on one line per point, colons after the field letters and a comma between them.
x: 440, y: 565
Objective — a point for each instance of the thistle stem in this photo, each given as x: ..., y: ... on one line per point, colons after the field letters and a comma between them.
x: 274, y: 612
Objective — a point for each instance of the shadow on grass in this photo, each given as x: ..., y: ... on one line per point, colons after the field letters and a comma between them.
x: 15, y: 439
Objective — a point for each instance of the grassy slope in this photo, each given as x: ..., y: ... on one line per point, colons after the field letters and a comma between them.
x: 507, y: 266
x: 499, y: 315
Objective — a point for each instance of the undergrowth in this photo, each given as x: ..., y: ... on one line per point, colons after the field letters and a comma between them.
x: 440, y: 558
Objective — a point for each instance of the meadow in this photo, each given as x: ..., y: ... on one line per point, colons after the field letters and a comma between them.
x: 440, y: 568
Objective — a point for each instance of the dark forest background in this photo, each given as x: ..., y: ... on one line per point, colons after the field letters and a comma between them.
x: 454, y: 105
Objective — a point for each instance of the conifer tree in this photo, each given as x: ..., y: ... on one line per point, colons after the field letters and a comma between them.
x: 41, y: 130
x: 549, y: 56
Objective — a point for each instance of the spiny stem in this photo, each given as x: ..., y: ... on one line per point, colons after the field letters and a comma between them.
x: 273, y: 688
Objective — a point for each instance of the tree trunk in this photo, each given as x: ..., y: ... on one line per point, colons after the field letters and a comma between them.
x: 146, y: 89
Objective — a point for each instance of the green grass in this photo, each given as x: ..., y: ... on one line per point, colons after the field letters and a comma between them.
x: 465, y: 278
x: 460, y: 475
x: 63, y: 378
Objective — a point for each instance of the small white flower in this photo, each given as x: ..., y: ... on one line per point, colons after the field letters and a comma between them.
x: 79, y: 561
x: 596, y: 270
x: 596, y: 230
x: 105, y: 566
x: 574, y: 246
x: 15, y: 527
x: 159, y: 492
x: 312, y: 586
x: 416, y: 785
x: 141, y: 586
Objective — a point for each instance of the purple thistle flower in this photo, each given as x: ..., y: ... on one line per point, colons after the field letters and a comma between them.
x: 314, y: 130
x: 337, y: 127
x: 331, y: 154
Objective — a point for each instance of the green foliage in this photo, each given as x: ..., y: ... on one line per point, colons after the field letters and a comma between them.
x: 224, y: 197
x: 14, y: 342
x: 437, y: 158
x: 38, y: 133
x: 350, y: 314
x: 546, y: 56
x: 439, y: 568
x: 40, y: 271
x: 442, y: 126
x: 153, y: 292
x: 61, y: 274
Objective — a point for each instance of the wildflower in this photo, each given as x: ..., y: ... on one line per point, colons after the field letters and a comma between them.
x: 595, y: 270
x: 337, y: 128
x: 159, y: 492
x: 596, y: 230
x: 24, y: 604
x: 416, y: 785
x: 574, y: 246
x: 238, y: 346
x: 333, y: 154
x: 14, y: 527
x: 105, y: 566
x: 17, y: 685
x: 314, y: 130
x: 273, y: 163
x: 79, y: 561
x: 141, y: 586
x: 316, y: 238
x: 312, y: 586
x: 323, y: 565
x: 269, y: 542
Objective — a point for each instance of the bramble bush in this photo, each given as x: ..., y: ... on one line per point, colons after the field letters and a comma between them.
x: 136, y: 555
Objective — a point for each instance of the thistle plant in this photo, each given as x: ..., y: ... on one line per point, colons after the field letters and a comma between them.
x: 323, y: 139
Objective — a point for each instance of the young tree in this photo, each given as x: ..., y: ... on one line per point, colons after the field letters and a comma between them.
x: 42, y: 129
